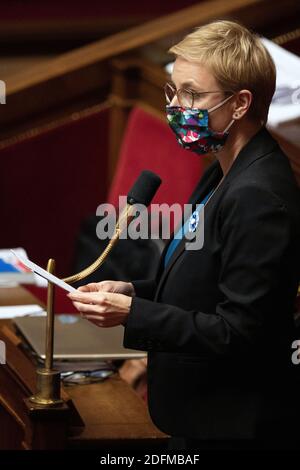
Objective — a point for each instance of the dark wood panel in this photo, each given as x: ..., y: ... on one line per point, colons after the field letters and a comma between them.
x: 82, y: 71
x: 112, y: 413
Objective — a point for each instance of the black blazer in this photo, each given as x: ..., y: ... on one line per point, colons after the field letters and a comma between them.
x: 218, y: 322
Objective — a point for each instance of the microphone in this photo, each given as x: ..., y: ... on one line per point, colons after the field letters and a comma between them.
x: 144, y: 189
x: 142, y: 192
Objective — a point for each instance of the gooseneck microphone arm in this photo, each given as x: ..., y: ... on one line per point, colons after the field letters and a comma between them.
x: 142, y: 192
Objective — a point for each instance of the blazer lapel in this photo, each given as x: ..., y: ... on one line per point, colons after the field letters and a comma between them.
x: 205, y: 185
x: 260, y: 144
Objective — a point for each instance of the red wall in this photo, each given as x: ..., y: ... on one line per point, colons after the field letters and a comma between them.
x: 49, y: 184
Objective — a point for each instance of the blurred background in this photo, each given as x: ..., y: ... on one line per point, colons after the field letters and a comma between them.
x: 83, y: 112
x: 80, y: 76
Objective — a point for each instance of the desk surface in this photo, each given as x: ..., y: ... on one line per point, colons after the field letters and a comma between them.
x: 111, y: 410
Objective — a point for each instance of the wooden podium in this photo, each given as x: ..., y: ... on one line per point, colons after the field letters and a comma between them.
x: 107, y: 415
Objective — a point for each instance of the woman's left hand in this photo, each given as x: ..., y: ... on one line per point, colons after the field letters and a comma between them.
x: 105, y: 309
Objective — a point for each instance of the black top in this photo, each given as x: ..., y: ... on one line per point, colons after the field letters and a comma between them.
x: 218, y: 322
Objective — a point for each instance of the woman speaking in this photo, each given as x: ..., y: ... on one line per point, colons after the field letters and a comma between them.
x: 217, y: 322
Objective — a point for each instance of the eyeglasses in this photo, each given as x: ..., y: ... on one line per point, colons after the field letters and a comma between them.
x: 186, y: 98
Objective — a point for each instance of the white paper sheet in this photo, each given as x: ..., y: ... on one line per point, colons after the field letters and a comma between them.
x: 43, y: 273
x: 14, y: 279
x: 14, y: 311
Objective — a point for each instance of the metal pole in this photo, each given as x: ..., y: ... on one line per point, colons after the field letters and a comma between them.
x: 50, y: 319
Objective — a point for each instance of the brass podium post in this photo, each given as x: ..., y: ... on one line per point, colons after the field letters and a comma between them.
x: 48, y: 379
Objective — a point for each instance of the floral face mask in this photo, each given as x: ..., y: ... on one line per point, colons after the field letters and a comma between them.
x: 192, y: 130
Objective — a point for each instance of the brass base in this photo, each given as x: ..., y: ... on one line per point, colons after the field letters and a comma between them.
x: 48, y: 388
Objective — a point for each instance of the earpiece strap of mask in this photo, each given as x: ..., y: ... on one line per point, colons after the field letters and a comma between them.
x: 219, y: 105
x: 229, y: 125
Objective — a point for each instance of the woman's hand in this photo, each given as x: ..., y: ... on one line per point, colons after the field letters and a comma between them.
x: 117, y: 287
x: 102, y: 304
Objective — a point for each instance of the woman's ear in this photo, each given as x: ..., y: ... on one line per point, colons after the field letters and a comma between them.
x: 242, y: 104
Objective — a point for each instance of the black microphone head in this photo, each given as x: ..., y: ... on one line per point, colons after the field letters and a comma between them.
x: 144, y: 188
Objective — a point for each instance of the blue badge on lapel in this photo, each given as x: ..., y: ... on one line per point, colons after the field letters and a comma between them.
x: 193, y: 222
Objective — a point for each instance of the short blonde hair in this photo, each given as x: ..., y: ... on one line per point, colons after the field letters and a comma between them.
x: 237, y: 58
